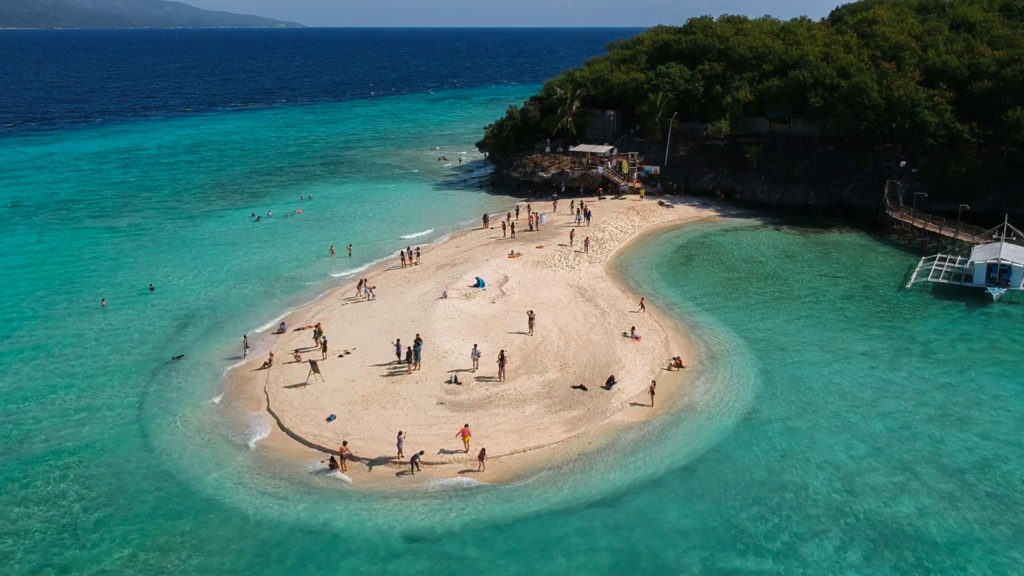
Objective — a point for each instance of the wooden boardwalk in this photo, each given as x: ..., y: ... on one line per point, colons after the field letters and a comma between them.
x: 914, y: 218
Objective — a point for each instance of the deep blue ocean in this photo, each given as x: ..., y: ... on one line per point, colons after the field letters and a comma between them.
x: 838, y: 425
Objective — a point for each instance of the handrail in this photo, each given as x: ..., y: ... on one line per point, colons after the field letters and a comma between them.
x: 938, y: 224
x: 932, y: 223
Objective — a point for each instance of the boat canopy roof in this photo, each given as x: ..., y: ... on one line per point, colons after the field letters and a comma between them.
x: 998, y: 252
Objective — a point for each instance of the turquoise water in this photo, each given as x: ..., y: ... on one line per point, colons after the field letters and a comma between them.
x: 838, y: 424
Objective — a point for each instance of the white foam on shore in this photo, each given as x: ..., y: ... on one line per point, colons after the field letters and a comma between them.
x: 529, y: 479
x: 272, y: 323
x: 318, y: 468
x: 417, y: 234
x: 353, y: 271
x: 445, y: 484
x: 216, y: 399
x: 259, y: 428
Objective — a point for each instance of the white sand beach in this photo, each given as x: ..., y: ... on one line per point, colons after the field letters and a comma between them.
x: 540, y: 414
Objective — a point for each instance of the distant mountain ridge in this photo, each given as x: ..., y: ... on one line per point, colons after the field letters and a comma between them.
x: 123, y: 14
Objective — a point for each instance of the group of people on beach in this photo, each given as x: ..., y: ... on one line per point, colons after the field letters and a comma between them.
x: 413, y: 354
x: 582, y: 212
x: 339, y: 463
x: 364, y: 290
x: 409, y: 257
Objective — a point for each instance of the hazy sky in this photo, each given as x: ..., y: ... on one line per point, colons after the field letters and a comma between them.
x: 486, y: 13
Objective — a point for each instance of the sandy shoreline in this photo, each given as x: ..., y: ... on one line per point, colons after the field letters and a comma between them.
x: 526, y: 423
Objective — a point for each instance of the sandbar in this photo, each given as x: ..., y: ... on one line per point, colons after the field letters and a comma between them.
x: 541, y: 414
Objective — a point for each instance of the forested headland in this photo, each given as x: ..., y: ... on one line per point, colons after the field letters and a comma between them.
x: 937, y: 85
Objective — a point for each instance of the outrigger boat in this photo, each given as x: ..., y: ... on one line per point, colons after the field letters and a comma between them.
x: 998, y: 266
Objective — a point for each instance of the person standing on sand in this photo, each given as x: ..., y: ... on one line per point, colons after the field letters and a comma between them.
x: 513, y: 228
x: 529, y: 211
x: 475, y: 355
x: 343, y: 455
x: 586, y: 216
x: 359, y: 287
x: 349, y: 250
x: 531, y: 318
x: 417, y: 352
x: 480, y: 458
x: 503, y: 226
x: 401, y: 253
x: 502, y: 363
x: 642, y: 307
x: 586, y: 245
x: 245, y: 346
x: 414, y: 462
x: 572, y: 237
x: 417, y: 255
x: 650, y: 391
x: 398, y: 349
x: 408, y: 359
x: 517, y: 211
x: 487, y: 221
x: 572, y: 206
x: 400, y: 444
x: 332, y: 249
x: 466, y: 436
x: 323, y: 347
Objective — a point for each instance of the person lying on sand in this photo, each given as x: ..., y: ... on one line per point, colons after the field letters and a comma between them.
x: 297, y: 357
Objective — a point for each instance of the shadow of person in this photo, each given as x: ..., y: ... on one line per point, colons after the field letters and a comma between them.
x: 580, y: 387
x: 378, y: 461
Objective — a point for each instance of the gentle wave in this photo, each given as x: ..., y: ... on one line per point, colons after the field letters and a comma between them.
x: 354, y: 271
x: 318, y: 468
x: 272, y: 323
x: 416, y: 234
x: 216, y: 399
x: 444, y: 484
x: 259, y: 429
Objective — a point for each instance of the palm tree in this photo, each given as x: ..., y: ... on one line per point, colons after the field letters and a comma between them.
x: 652, y: 113
x: 570, y: 109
